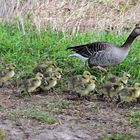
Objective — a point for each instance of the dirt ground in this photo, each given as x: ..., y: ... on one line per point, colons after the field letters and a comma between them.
x: 76, y: 119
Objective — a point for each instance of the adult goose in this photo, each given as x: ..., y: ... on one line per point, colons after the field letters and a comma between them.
x: 102, y: 54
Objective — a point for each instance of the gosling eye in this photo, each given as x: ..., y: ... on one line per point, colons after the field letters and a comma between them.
x: 122, y: 82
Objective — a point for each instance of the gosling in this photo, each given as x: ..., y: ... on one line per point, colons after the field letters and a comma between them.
x: 7, y: 74
x: 90, y: 87
x: 129, y: 94
x: 30, y: 85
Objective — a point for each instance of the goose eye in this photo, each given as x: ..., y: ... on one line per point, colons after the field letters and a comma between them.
x: 128, y: 76
x: 94, y: 78
x: 138, y: 25
x: 87, y: 74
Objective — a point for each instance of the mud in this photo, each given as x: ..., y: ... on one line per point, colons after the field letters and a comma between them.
x: 78, y: 119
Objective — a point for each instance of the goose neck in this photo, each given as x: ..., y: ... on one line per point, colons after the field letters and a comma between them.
x: 129, y: 40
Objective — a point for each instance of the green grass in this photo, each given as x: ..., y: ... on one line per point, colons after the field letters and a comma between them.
x: 117, y: 136
x: 94, y: 105
x: 2, y: 134
x: 135, y: 118
x: 40, y: 116
x: 30, y: 113
x: 56, y: 105
x: 41, y: 111
x: 26, y: 50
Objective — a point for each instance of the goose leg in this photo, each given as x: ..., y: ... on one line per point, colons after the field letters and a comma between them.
x: 102, y: 68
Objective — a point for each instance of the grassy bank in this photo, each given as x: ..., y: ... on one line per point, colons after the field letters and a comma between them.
x: 26, y: 50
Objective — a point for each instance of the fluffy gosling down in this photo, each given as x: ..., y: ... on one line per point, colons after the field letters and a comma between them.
x: 124, y: 78
x: 30, y: 85
x: 45, y: 68
x: 57, y: 71
x: 80, y: 81
x: 7, y: 73
x: 90, y: 87
x: 51, y: 82
x: 110, y: 89
x: 129, y: 94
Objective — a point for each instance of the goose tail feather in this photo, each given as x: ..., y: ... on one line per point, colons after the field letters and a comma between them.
x: 79, y: 56
x: 76, y: 47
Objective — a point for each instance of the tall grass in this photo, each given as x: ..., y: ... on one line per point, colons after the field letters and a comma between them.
x: 72, y: 15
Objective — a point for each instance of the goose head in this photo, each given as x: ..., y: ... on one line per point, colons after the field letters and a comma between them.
x: 58, y: 70
x: 121, y: 82
x: 136, y: 30
x: 92, y: 79
x: 56, y: 75
x: 86, y: 76
x: 50, y: 67
x: 11, y: 67
x: 39, y: 76
x: 126, y: 77
x: 137, y: 86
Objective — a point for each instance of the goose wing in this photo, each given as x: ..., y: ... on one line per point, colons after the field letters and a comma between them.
x: 88, y: 50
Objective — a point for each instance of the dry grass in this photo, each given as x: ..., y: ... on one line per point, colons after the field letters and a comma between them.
x: 72, y: 15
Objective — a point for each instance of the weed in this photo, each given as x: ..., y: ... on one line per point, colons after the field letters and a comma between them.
x: 94, y: 105
x: 11, y: 115
x: 2, y: 110
x: 135, y: 118
x: 57, y: 106
x: 2, y: 134
x: 40, y: 116
x: 33, y: 113
x: 117, y: 136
